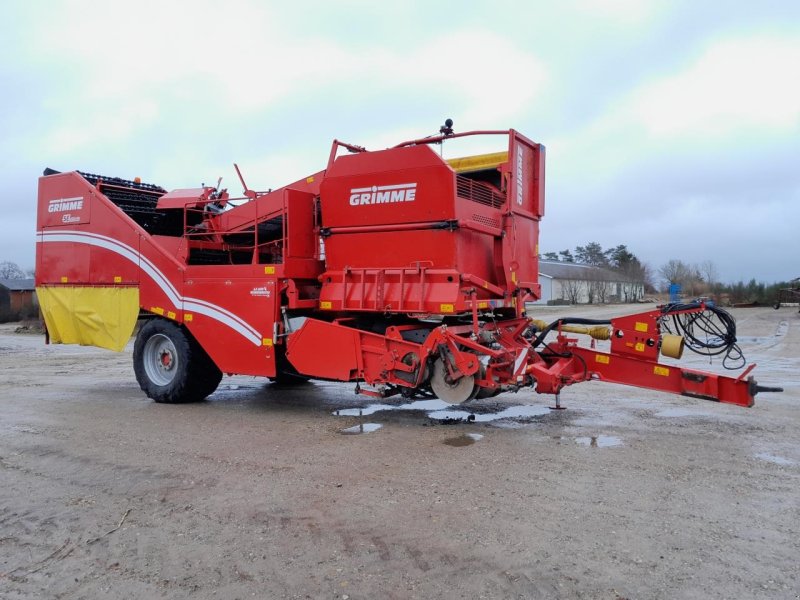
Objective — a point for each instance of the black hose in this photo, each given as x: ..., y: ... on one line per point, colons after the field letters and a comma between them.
x: 711, y: 332
x: 566, y: 321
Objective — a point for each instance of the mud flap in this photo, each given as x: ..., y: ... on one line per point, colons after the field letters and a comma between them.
x: 90, y: 316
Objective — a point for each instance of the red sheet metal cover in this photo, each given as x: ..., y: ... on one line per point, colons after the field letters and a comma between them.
x: 401, y: 185
x: 527, y: 177
x: 66, y: 200
x: 180, y: 198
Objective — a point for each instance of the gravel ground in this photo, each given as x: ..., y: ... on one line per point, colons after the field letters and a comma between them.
x: 258, y: 493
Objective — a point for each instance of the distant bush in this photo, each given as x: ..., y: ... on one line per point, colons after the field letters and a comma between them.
x: 751, y: 292
x: 558, y: 302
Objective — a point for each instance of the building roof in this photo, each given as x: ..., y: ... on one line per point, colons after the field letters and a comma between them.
x: 576, y: 271
x: 18, y: 285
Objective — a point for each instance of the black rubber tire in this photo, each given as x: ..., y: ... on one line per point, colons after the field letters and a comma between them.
x: 195, y: 375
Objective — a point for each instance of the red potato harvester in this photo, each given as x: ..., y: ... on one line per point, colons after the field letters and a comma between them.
x: 394, y: 268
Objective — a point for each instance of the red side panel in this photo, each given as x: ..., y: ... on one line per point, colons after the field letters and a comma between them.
x: 341, y: 362
x: 301, y: 241
x: 526, y: 164
x: 518, y: 252
x: 83, y: 239
x: 352, y: 353
x: 231, y: 309
x: 231, y: 313
x: 425, y: 247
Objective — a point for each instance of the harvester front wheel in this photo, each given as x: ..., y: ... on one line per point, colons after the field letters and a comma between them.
x: 171, y: 366
x: 452, y: 392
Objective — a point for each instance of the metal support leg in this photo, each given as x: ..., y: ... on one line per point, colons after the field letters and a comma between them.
x: 558, y: 404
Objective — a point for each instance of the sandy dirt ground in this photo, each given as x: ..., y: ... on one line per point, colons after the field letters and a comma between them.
x: 258, y: 493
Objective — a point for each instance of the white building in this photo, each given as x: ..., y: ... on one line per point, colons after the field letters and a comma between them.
x: 583, y: 284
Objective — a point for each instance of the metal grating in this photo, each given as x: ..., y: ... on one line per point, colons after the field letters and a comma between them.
x: 479, y: 192
x: 486, y: 220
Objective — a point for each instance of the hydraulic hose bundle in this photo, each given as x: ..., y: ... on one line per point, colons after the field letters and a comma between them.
x: 710, y: 332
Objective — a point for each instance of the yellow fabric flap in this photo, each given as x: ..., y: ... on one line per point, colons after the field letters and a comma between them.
x: 480, y: 162
x: 90, y: 316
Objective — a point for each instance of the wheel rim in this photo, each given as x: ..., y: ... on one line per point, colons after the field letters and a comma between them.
x: 160, y: 359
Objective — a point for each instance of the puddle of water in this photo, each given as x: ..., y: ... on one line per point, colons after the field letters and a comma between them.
x: 361, y: 428
x: 439, y: 410
x: 512, y: 412
x: 463, y: 440
x: 775, y: 459
x: 373, y: 408
x: 599, y: 441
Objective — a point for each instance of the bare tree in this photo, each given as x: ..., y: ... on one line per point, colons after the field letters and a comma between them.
x: 600, y: 286
x: 648, y: 278
x: 675, y: 271
x: 628, y: 292
x: 633, y: 291
x: 688, y: 276
x: 571, y: 290
x: 602, y: 289
x: 10, y: 270
x: 708, y: 271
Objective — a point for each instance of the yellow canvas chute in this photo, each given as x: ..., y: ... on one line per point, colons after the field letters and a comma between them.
x: 90, y: 316
x: 480, y: 162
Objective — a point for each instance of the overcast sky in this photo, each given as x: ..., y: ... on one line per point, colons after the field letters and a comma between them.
x: 671, y: 127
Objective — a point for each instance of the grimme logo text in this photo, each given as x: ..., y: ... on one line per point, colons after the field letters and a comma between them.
x: 383, y: 194
x: 65, y: 204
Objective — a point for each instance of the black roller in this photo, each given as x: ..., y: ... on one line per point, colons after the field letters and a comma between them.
x: 138, y: 201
